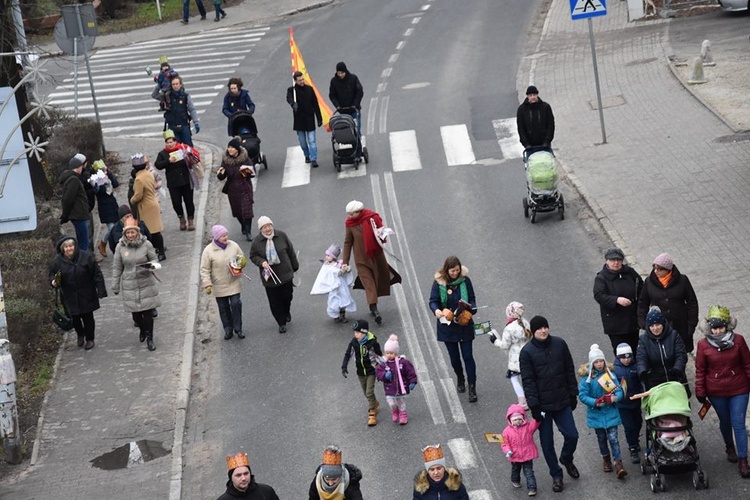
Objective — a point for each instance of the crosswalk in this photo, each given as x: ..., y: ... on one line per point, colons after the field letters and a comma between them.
x: 405, y: 155
x: 123, y: 89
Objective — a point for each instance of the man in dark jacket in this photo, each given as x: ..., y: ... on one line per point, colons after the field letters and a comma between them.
x: 616, y: 289
x: 535, y: 121
x: 551, y: 388
x: 75, y: 202
x: 181, y: 113
x: 346, y: 91
x: 333, y: 478
x: 242, y: 483
x: 301, y: 98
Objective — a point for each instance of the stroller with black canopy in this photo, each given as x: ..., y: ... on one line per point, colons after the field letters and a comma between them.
x: 345, y: 139
x: 670, y: 443
x: 242, y: 124
x: 542, y: 194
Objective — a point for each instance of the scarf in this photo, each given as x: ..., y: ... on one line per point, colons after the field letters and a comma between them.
x: 461, y: 282
x: 721, y: 342
x: 372, y: 249
x: 221, y: 245
x: 272, y: 256
x: 401, y: 387
x: 664, y: 280
x: 335, y: 492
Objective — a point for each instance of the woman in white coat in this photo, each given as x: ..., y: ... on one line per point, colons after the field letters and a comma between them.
x: 515, y: 335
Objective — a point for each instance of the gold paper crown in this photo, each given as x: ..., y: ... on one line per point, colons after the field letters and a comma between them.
x: 432, y: 452
x: 330, y: 457
x: 131, y: 223
x: 163, y: 59
x: 238, y: 460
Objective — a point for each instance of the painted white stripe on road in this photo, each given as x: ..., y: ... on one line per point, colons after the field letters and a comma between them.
x: 160, y: 50
x: 384, y: 113
x: 480, y: 495
x: 431, y: 397
x: 457, y: 411
x: 371, y: 115
x: 408, y: 32
x: 296, y: 171
x: 416, y: 20
x: 457, y: 145
x: 400, y: 45
x: 99, y: 80
x: 351, y: 172
x: 381, y: 87
x: 140, y: 64
x: 463, y: 453
x: 393, y: 58
x: 506, y: 131
x: 425, y: 7
x: 404, y: 151
x: 386, y: 73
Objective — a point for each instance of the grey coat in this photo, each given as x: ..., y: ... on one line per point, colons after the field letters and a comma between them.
x: 137, y: 284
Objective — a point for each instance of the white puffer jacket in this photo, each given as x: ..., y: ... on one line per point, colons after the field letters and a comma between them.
x: 512, y: 340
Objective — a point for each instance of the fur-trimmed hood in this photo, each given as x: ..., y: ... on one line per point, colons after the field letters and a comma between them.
x: 452, y: 480
x: 583, y: 369
x: 705, y: 329
x: 439, y: 278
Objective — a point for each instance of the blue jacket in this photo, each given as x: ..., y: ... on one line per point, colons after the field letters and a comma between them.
x: 588, y: 391
x: 631, y: 386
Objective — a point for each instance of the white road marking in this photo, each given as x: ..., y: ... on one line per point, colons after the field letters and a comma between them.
x: 351, y: 172
x: 506, y: 131
x: 457, y: 411
x: 139, y: 62
x: 386, y: 72
x: 404, y: 151
x: 221, y: 68
x: 425, y: 7
x: 457, y: 145
x: 463, y: 453
x: 400, y: 45
x: 416, y: 85
x: 416, y: 20
x: 480, y: 495
x: 408, y: 32
x: 381, y: 87
x: 393, y: 58
x: 160, y: 50
x: 296, y: 171
x: 433, y: 403
x: 371, y: 115
x: 384, y: 113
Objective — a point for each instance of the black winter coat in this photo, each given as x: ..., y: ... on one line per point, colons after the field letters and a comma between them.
x: 608, y: 286
x: 661, y: 359
x: 548, y: 374
x: 352, y: 491
x: 107, y: 202
x: 678, y: 303
x: 536, y: 124
x: 308, y: 110
x: 81, y: 280
x: 177, y: 173
x: 75, y: 203
x: 255, y: 491
x: 362, y: 353
x: 346, y: 92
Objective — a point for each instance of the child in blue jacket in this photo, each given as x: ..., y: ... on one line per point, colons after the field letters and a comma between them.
x: 630, y: 410
x: 600, y: 391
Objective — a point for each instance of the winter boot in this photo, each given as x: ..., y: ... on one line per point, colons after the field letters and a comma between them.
x: 183, y: 225
x: 522, y: 402
x: 731, y: 454
x: 403, y: 419
x: 744, y: 467
x: 374, y: 312
x: 372, y: 418
x: 394, y: 414
x: 191, y: 224
x: 150, y: 342
x: 247, y: 230
x: 81, y: 340
x: 620, y: 470
x: 341, y: 317
x: 461, y: 383
x: 607, y: 467
x: 103, y: 248
x: 472, y: 392
x: 634, y: 457
x: 142, y: 336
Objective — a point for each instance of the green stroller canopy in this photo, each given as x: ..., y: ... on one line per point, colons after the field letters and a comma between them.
x: 668, y: 398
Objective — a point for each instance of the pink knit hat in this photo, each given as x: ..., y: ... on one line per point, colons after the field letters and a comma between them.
x: 391, y: 345
x: 664, y: 260
x: 218, y: 231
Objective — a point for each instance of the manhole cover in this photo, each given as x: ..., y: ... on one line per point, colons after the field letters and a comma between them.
x: 743, y: 135
x: 608, y: 101
x: 130, y: 454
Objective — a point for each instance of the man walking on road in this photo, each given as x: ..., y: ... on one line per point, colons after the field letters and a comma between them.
x: 242, y: 483
x: 181, y: 113
x: 75, y: 202
x: 535, y: 121
x: 186, y: 10
x: 346, y: 91
x: 306, y: 110
x: 549, y: 381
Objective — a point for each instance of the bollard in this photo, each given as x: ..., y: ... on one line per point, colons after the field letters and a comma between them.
x: 696, y: 72
x: 8, y: 411
x: 706, y: 55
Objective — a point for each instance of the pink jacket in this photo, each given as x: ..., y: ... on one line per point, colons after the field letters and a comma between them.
x: 520, y: 440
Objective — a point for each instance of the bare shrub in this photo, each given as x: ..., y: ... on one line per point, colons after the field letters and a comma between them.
x: 80, y: 135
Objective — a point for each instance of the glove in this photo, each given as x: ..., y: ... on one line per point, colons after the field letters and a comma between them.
x: 208, y: 289
x: 701, y: 399
x: 493, y: 336
x: 388, y: 376
x: 320, y: 123
x: 295, y: 106
x: 536, y: 414
x: 197, y: 127
x: 509, y: 454
x: 344, y: 371
x: 63, y: 219
x: 412, y: 386
x: 573, y: 403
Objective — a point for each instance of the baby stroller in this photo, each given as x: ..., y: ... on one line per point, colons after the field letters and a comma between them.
x: 242, y: 124
x: 345, y: 141
x: 670, y: 442
x: 541, y: 184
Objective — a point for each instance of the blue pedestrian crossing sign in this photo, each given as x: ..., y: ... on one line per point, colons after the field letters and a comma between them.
x: 582, y: 9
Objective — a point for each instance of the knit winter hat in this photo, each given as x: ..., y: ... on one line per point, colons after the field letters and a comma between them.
x: 139, y: 159
x: 655, y: 316
x: 354, y: 206
x: 218, y: 231
x: 123, y: 211
x: 391, y: 345
x: 664, y: 260
x: 341, y: 67
x: 517, y: 415
x: 361, y: 325
x: 595, y: 354
x: 623, y: 348
x: 531, y: 89
x: 514, y: 310
x: 235, y: 143
x: 263, y: 220
x: 614, y: 254
x: 76, y: 161
x: 538, y: 322
x: 333, y: 251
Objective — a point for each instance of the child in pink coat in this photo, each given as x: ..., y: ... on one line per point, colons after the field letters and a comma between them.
x: 399, y: 378
x: 519, y: 447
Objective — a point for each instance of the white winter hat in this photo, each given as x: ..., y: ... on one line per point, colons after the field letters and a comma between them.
x: 263, y: 220
x: 354, y: 206
x: 624, y: 349
x: 595, y: 353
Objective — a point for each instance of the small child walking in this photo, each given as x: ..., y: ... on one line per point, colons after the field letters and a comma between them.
x: 630, y: 410
x: 600, y: 391
x: 219, y: 10
x: 519, y: 447
x: 399, y: 379
x: 515, y: 335
x: 367, y: 354
x: 330, y: 280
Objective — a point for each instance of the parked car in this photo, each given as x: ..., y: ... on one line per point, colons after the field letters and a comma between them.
x: 733, y: 5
